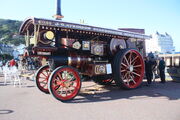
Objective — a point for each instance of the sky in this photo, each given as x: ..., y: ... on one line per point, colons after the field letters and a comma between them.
x: 151, y: 15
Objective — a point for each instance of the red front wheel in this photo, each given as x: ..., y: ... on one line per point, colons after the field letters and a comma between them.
x: 64, y: 83
x: 42, y: 76
x: 128, y: 68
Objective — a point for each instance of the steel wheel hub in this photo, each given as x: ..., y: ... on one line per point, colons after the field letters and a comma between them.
x: 67, y: 84
x: 131, y: 68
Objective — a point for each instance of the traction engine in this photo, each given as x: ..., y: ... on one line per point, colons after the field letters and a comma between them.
x: 76, y: 51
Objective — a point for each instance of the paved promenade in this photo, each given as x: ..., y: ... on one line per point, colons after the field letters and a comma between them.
x: 95, y: 102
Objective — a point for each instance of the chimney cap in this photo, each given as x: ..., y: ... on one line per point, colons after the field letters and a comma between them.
x: 58, y: 17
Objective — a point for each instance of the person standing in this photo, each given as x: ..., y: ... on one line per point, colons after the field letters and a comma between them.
x: 162, y: 70
x: 12, y: 63
x: 148, y: 70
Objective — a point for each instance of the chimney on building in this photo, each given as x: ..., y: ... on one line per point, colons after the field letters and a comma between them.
x: 58, y: 15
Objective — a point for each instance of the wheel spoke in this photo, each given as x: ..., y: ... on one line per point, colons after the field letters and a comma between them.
x: 128, y: 76
x: 44, y: 85
x: 123, y: 77
x: 123, y: 70
x: 60, y: 77
x: 124, y: 65
x: 136, y: 74
x: 72, y: 82
x: 48, y: 72
x: 44, y: 74
x: 66, y: 72
x: 134, y: 60
x: 71, y: 91
x: 137, y: 66
x: 132, y: 79
x: 130, y: 57
x: 58, y: 82
x: 71, y: 79
x: 75, y: 88
x: 126, y: 60
x: 66, y: 91
x: 57, y: 87
x: 43, y: 77
x: 127, y: 79
x: 43, y: 82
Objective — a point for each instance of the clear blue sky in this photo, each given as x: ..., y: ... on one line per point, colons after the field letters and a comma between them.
x: 152, y: 15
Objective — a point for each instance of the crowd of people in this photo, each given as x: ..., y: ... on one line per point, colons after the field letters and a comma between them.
x: 27, y: 63
x: 152, y: 65
x: 30, y: 63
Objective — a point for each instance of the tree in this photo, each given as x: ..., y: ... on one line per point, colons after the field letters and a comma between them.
x: 9, y: 29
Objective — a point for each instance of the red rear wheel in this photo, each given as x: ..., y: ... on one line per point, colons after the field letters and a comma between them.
x: 42, y: 76
x: 128, y: 68
x: 64, y: 83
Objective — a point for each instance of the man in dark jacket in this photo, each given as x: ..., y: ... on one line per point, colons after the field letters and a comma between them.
x: 148, y: 70
x: 162, y: 70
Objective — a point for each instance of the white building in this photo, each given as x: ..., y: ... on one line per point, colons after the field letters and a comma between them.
x: 18, y: 50
x: 160, y: 43
x: 6, y: 49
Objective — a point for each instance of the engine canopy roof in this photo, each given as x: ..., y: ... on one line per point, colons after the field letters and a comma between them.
x: 29, y: 24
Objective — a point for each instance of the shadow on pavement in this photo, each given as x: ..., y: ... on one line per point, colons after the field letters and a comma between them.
x: 30, y: 86
x: 6, y: 111
x: 169, y: 90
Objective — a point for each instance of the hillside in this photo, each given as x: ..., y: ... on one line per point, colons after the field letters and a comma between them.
x: 9, y: 32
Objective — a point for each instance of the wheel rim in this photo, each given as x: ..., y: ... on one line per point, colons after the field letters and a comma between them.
x: 65, y: 83
x: 132, y: 69
x: 42, y: 78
